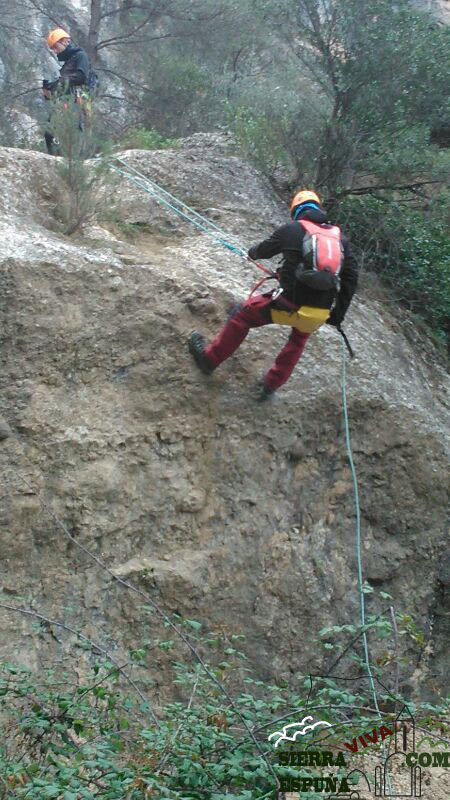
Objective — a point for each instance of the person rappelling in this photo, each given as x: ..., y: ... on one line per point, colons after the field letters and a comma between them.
x: 317, y: 279
x: 73, y: 80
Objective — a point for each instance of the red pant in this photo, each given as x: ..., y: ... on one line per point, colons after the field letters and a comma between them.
x: 254, y: 313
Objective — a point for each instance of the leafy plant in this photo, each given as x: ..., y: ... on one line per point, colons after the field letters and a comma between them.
x: 93, y: 739
x: 141, y: 138
x: 78, y: 197
x: 409, y: 248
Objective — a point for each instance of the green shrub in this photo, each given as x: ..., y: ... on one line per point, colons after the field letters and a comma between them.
x: 93, y: 739
x: 141, y: 138
x: 258, y: 136
x: 409, y: 248
x: 78, y: 140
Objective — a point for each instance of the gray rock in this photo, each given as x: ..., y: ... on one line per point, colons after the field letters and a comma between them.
x: 5, y: 430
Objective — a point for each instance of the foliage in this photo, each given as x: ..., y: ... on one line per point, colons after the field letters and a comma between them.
x: 343, y: 47
x: 77, y: 140
x: 410, y: 248
x: 259, y: 137
x: 141, y: 138
x: 182, y: 92
x: 93, y: 739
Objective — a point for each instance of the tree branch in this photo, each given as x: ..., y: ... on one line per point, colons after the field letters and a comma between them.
x: 407, y: 187
x: 125, y: 37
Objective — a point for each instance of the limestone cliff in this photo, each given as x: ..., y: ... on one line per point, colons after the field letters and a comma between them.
x: 238, y: 515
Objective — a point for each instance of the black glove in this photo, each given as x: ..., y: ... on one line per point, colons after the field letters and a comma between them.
x: 50, y: 85
x: 335, y: 318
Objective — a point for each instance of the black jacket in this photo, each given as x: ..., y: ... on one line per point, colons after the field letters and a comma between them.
x: 74, y: 71
x: 287, y: 240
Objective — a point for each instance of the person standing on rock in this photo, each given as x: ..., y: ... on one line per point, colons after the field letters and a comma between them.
x: 318, y: 277
x: 73, y: 79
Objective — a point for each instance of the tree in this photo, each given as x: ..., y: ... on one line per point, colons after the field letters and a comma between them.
x: 377, y: 82
x: 121, y: 39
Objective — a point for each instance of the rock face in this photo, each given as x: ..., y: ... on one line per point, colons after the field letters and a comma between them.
x: 239, y: 515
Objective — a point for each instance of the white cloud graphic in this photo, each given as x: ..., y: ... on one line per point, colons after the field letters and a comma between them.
x: 283, y: 736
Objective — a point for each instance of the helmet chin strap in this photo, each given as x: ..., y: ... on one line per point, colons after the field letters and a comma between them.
x: 302, y: 208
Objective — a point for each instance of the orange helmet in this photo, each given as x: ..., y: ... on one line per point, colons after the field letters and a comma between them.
x: 56, y: 35
x: 304, y: 196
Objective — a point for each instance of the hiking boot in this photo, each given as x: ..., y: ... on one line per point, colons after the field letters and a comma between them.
x: 261, y: 392
x: 5, y: 430
x: 196, y: 343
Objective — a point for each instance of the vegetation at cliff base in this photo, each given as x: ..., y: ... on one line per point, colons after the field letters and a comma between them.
x: 106, y: 736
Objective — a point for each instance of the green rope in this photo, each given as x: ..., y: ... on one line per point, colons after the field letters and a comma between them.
x: 163, y: 193
x: 183, y: 211
x: 362, y: 606
x: 186, y: 212
x: 358, y: 523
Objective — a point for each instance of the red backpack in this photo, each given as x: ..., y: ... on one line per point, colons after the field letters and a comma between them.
x: 322, y: 256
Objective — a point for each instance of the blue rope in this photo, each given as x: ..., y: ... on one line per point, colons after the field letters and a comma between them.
x: 362, y: 606
x: 175, y: 204
x: 138, y: 182
x: 160, y: 190
x: 206, y: 225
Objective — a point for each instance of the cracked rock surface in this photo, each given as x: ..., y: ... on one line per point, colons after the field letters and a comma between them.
x: 235, y: 514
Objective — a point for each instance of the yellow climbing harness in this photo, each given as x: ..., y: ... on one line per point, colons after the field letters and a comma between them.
x: 306, y: 319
